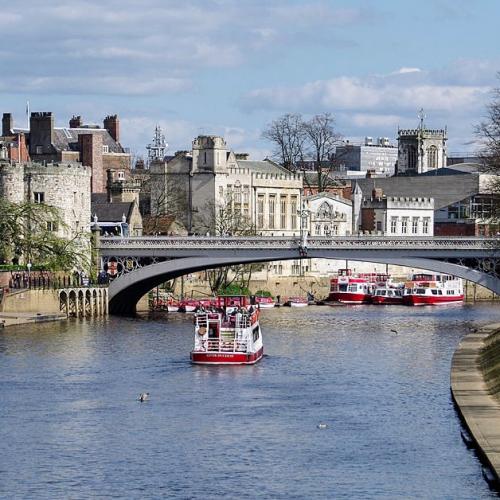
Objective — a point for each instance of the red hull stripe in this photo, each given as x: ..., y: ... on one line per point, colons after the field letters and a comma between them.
x: 350, y: 298
x: 422, y: 300
x: 226, y: 358
x: 387, y: 300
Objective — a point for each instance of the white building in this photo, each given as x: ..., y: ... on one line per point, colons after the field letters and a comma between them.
x: 328, y: 215
x: 392, y: 215
x: 204, y: 186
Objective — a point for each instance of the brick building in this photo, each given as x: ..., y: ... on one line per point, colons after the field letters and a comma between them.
x: 93, y: 146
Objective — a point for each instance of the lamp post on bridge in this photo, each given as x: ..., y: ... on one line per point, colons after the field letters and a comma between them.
x: 303, y: 215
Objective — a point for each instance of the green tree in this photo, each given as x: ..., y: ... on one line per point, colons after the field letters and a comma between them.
x: 28, y: 234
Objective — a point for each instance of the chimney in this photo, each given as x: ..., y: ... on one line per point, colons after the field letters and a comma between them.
x: 7, y: 124
x: 75, y: 122
x: 90, y: 146
x: 112, y: 125
x: 41, y: 132
x: 110, y: 177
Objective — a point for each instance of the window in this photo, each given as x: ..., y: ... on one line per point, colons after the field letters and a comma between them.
x: 204, y: 158
x: 272, y: 207
x: 105, y: 148
x: 325, y: 211
x: 221, y: 193
x: 335, y: 230
x: 414, y: 225
x: 293, y: 212
x: 283, y: 212
x: 260, y: 211
x: 39, y: 150
x: 394, y: 225
x: 411, y: 152
x: 121, y: 175
x: 51, y: 226
x: 425, y: 225
x: 379, y: 225
x: 432, y: 155
x: 318, y: 229
x: 237, y: 194
x: 404, y: 225
x: 327, y: 231
x: 38, y: 197
x: 246, y: 194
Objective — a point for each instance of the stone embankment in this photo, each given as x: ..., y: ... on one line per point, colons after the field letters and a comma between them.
x: 475, y: 385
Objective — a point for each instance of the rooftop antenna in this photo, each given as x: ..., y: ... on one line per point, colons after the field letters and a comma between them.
x: 156, y: 150
x: 421, y: 116
x: 28, y: 114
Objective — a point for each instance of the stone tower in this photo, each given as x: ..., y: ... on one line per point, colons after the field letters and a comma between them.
x: 421, y: 150
x: 209, y: 154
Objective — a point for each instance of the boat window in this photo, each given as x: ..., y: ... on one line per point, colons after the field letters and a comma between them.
x: 212, y: 332
x: 440, y: 292
x: 420, y: 291
x: 434, y: 292
x: 342, y: 288
x: 353, y: 288
x: 255, y: 333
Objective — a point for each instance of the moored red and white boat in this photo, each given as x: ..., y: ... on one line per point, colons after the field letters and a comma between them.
x: 227, y: 335
x: 387, y: 295
x: 350, y: 288
x: 296, y: 302
x: 264, y: 302
x: 433, y: 289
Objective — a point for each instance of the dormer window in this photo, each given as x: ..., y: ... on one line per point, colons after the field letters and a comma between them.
x: 39, y: 150
x: 105, y: 148
x: 121, y: 175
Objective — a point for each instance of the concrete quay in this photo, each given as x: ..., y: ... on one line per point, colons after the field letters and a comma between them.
x: 22, y: 318
x: 475, y: 383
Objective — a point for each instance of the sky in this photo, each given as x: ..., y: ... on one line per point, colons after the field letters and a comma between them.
x: 229, y: 67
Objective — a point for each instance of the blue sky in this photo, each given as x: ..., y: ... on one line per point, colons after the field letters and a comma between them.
x: 229, y: 67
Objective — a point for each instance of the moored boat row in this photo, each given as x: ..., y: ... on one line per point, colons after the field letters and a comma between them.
x: 372, y: 288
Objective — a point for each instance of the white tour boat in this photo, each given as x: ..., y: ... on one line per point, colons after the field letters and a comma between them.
x: 227, y: 334
x: 433, y: 289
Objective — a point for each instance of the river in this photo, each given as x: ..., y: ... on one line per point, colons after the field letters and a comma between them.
x: 71, y: 425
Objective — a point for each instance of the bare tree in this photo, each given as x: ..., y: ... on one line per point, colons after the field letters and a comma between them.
x: 489, y: 134
x: 306, y: 145
x: 229, y: 221
x: 321, y: 141
x: 287, y: 135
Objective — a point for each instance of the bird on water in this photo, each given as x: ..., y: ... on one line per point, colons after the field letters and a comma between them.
x: 322, y: 425
x: 144, y: 396
x: 394, y: 331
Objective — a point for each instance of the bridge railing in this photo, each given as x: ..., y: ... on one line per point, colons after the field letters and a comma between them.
x: 292, y: 242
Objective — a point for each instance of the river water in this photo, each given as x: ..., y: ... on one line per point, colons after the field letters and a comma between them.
x: 71, y: 425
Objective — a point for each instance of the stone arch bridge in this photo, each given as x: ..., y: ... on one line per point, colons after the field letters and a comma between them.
x: 141, y: 263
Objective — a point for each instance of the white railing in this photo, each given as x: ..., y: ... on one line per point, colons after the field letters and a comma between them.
x: 221, y: 345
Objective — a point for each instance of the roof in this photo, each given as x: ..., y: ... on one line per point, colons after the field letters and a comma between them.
x: 311, y: 179
x: 445, y: 188
x: 457, y: 169
x: 263, y: 167
x: 330, y: 196
x: 109, y: 212
x: 66, y: 139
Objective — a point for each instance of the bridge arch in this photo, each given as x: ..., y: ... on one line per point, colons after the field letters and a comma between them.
x: 126, y: 290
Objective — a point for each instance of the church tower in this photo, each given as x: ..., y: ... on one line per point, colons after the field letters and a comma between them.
x: 421, y: 150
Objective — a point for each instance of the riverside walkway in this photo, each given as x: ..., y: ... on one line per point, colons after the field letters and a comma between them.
x: 472, y: 391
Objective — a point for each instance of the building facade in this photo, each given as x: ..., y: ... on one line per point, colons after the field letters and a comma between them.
x: 211, y: 189
x: 63, y: 186
x: 392, y: 215
x: 379, y: 157
x: 93, y: 146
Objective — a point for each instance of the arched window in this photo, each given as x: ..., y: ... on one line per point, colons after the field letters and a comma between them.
x: 411, y: 152
x: 324, y: 211
x: 432, y: 157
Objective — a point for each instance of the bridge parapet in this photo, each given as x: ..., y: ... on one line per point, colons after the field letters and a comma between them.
x: 278, y: 242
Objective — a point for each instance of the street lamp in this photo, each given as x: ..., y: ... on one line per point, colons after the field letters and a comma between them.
x: 28, y: 265
x: 303, y: 214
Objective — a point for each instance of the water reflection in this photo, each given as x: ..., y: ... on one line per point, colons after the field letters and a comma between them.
x: 73, y: 427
